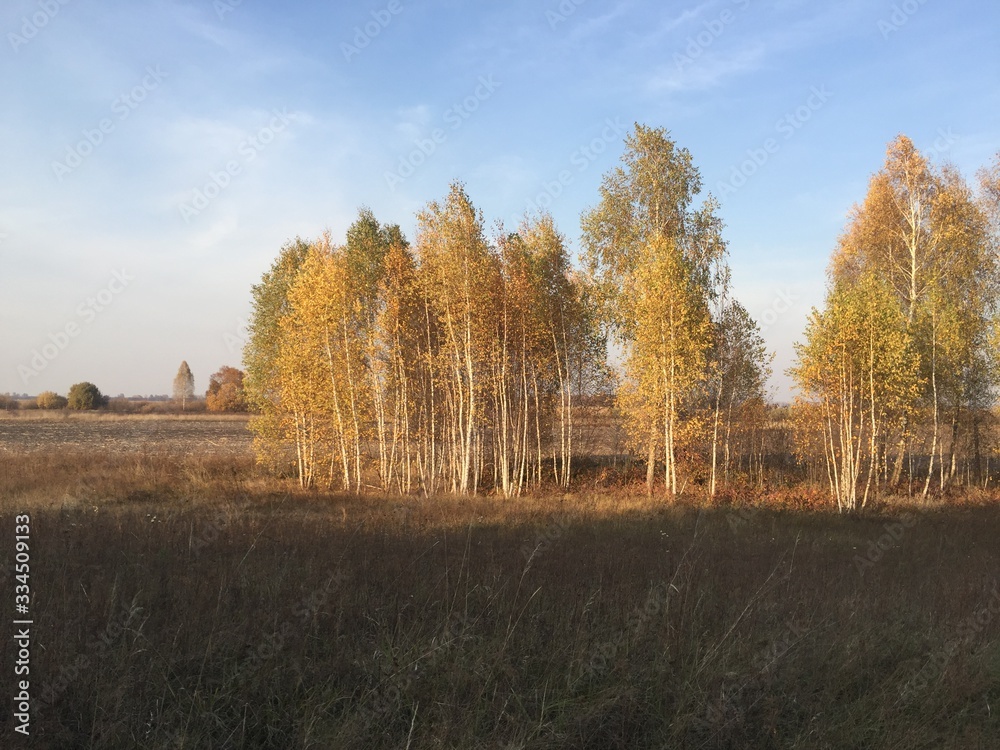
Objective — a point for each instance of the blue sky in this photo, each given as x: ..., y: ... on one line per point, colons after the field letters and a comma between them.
x: 156, y: 155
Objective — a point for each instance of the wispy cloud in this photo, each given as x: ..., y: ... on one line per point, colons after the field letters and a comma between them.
x: 203, y: 24
x: 709, y: 71
x: 597, y: 24
x: 672, y: 23
x: 742, y: 45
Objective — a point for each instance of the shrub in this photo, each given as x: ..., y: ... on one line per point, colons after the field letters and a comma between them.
x: 8, y: 402
x: 51, y: 400
x: 86, y: 396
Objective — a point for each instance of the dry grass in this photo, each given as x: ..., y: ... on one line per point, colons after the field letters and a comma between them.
x: 190, y: 601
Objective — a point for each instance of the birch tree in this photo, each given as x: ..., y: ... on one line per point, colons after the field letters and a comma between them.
x: 375, y: 371
x: 739, y: 368
x: 319, y: 368
x: 921, y: 229
x: 655, y: 258
x: 398, y: 331
x: 269, y: 300
x: 461, y: 279
x: 183, y: 384
x: 667, y: 358
x: 571, y: 346
x: 858, y: 368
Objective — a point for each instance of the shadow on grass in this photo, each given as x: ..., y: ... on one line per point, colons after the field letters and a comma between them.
x: 192, y: 604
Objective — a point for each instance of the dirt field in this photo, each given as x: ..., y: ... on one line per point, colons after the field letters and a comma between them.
x: 200, y: 434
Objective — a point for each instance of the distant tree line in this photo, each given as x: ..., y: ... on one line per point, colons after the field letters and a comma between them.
x: 225, y: 394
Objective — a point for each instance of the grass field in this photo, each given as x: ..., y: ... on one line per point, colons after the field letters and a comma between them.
x: 182, y: 599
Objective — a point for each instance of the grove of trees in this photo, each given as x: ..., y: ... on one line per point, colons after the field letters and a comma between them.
x: 898, y: 373
x: 458, y: 363
x: 694, y: 359
x: 466, y: 360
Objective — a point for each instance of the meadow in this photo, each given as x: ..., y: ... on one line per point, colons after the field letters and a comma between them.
x: 184, y: 598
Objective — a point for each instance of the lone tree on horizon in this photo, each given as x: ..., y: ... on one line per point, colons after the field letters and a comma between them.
x: 85, y: 396
x: 183, y: 385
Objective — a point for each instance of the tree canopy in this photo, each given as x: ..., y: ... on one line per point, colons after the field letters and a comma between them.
x: 461, y: 362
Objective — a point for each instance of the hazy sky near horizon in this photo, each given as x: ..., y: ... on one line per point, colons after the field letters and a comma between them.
x: 156, y: 155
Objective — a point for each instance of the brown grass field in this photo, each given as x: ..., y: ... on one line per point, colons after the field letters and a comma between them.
x: 46, y: 431
x: 182, y: 598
